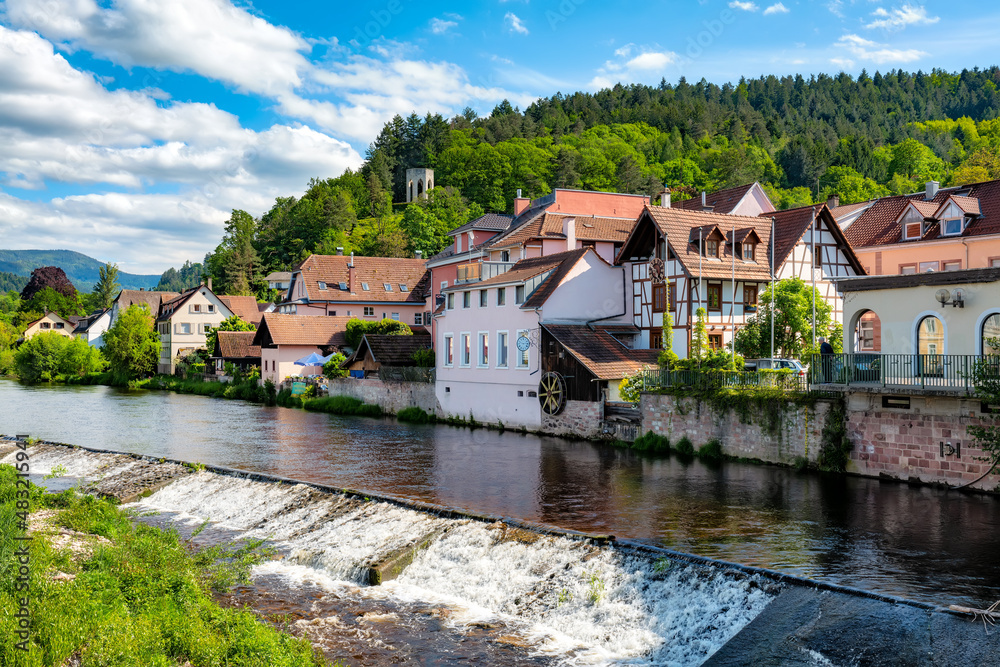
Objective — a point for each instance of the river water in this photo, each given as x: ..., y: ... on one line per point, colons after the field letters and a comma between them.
x: 915, y: 542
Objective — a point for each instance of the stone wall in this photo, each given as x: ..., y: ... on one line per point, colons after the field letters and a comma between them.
x: 580, y: 419
x: 392, y: 396
x: 906, y: 443
x: 798, y: 433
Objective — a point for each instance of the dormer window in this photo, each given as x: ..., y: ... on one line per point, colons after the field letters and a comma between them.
x: 912, y: 231
x: 951, y: 227
x: 749, y: 252
x: 711, y: 248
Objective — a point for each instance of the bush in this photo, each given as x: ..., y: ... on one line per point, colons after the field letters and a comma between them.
x: 711, y: 450
x: 332, y: 369
x: 341, y: 405
x: 651, y: 442
x: 424, y: 358
x: 356, y: 330
x: 45, y: 356
x: 415, y: 415
x: 684, y: 446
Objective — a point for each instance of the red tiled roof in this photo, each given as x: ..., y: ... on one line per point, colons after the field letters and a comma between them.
x: 130, y: 297
x: 968, y: 205
x: 599, y: 352
x: 722, y: 201
x: 236, y: 345
x: 243, y: 307
x: 282, y: 329
x: 791, y: 225
x: 840, y: 211
x: 375, y: 271
x: 878, y: 226
x: 588, y: 228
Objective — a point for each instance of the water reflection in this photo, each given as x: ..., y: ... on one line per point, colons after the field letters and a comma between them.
x: 916, y: 542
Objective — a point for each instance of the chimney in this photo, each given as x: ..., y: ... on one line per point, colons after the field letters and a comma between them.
x: 350, y: 275
x: 209, y: 283
x: 420, y: 254
x: 665, y: 197
x: 833, y: 201
x: 569, y: 229
x: 931, y: 190
x: 520, y: 203
x: 704, y: 203
x: 340, y: 250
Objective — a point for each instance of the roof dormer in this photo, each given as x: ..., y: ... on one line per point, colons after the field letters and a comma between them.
x: 709, y: 240
x: 912, y: 219
x: 955, y: 213
x: 744, y: 243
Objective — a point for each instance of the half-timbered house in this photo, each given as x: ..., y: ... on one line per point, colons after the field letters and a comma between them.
x: 681, y: 260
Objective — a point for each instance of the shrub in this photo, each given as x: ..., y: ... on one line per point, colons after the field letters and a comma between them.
x: 414, y: 415
x: 711, y: 450
x: 332, y: 369
x: 651, y: 442
x: 684, y: 446
x: 47, y: 355
x: 341, y: 405
x: 424, y: 358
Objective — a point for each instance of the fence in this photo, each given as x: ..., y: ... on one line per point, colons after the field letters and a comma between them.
x: 711, y: 380
x: 951, y: 372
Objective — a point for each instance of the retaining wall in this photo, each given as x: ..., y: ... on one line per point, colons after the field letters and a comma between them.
x: 580, y: 419
x: 391, y: 395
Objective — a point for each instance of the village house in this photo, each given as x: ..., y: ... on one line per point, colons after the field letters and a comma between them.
x: 183, y: 323
x: 51, y: 321
x: 366, y: 288
x: 132, y: 297
x: 283, y: 339
x: 679, y: 260
x: 493, y: 339
x: 237, y: 348
x: 385, y: 351
x: 92, y: 327
x: 749, y: 200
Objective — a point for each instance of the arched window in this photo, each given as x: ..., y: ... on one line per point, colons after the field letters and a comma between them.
x: 930, y: 336
x: 991, y: 334
x: 420, y: 188
x: 411, y: 192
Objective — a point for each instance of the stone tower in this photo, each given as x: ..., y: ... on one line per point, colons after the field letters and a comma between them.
x: 418, y: 182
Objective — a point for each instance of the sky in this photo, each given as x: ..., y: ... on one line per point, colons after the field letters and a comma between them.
x: 129, y: 129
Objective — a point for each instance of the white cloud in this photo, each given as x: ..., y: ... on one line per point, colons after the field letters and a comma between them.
x: 514, y: 24
x: 440, y: 26
x: 744, y: 6
x: 836, y: 7
x: 843, y: 63
x: 901, y: 17
x: 863, y: 49
x: 212, y: 38
x: 647, y: 62
x: 776, y: 8
x: 651, y: 61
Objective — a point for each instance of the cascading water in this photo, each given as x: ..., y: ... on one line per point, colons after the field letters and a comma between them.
x: 563, y: 600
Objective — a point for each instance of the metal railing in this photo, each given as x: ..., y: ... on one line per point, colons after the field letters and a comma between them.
x: 709, y: 380
x: 936, y: 372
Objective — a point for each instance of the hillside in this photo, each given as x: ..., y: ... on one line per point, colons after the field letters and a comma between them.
x: 81, y: 269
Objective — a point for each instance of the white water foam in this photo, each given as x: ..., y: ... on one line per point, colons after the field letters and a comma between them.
x: 75, y: 463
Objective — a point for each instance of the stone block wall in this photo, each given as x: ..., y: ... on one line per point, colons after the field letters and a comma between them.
x: 906, y: 443
x: 579, y: 419
x: 798, y: 434
x: 392, y: 396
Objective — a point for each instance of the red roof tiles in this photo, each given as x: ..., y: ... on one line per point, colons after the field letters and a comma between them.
x: 376, y: 272
x: 280, y: 329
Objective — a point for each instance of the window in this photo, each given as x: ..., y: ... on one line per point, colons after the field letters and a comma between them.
x: 951, y: 227
x: 750, y: 296
x: 715, y: 298
x: 672, y: 296
x: 501, y: 349
x: 522, y: 355
x: 712, y: 248
x: 749, y: 252
x: 659, y: 297
x: 183, y: 328
x: 449, y: 350
x: 990, y: 334
x: 402, y: 287
x: 164, y: 328
x: 927, y: 267
x: 364, y: 286
x: 656, y: 339
x: 866, y: 334
x: 466, y: 350
x: 444, y: 285
x: 482, y: 298
x: 818, y: 257
x: 466, y: 299
x: 45, y: 325
x: 451, y: 301
x: 907, y: 269
x: 418, y: 319
x: 343, y: 286
x: 387, y: 287
x: 505, y: 255
x: 502, y: 296
x: 427, y: 318
x: 912, y: 231
x: 952, y: 266
x: 321, y: 284
x: 394, y: 316
x: 519, y: 294
x: 930, y: 336
x: 715, y: 341
x: 196, y: 307
x: 211, y: 308
x: 60, y: 325
x: 369, y: 311
x: 484, y: 349
x: 332, y: 313
x: 994, y: 262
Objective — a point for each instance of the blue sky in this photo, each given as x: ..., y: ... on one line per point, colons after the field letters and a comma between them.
x: 132, y: 127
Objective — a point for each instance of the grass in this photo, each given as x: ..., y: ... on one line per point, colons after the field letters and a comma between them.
x: 143, y: 598
x: 342, y: 405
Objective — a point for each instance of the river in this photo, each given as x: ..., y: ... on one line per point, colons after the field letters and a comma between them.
x: 910, y: 541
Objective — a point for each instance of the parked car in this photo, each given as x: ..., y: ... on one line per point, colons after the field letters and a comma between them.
x: 866, y: 367
x: 776, y: 364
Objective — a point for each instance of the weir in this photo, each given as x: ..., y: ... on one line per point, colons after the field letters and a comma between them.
x: 569, y: 596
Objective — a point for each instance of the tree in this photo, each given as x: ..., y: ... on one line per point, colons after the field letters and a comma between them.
x: 231, y: 323
x: 793, y: 330
x: 667, y: 357
x: 48, y: 276
x: 234, y: 263
x: 48, y: 299
x: 107, y: 286
x: 45, y: 356
x: 699, y: 337
x: 332, y: 369
x: 131, y: 345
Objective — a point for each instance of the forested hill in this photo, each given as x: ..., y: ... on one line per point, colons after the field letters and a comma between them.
x: 803, y: 139
x: 80, y: 269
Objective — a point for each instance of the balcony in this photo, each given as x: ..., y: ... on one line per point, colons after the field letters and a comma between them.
x: 937, y: 373
x: 476, y: 271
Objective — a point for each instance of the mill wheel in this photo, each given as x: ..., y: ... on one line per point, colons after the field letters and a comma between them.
x: 552, y: 393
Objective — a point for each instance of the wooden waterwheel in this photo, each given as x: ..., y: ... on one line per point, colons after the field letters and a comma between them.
x: 552, y: 393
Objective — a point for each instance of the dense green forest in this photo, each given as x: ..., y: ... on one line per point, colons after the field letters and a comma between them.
x: 11, y: 282
x: 802, y: 138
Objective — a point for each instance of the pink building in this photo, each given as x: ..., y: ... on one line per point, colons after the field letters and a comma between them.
x: 285, y: 338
